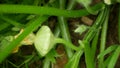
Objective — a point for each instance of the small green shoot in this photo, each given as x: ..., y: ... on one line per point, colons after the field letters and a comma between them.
x: 81, y: 28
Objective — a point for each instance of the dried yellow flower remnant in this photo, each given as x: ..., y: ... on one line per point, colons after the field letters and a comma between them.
x: 19, y: 33
x: 15, y: 50
x: 27, y: 41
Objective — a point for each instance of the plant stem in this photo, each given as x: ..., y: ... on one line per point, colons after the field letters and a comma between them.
x: 71, y: 4
x: 104, y: 33
x: 94, y: 44
x: 64, y: 29
x: 65, y: 33
x: 68, y: 44
x: 14, y: 65
x: 27, y: 60
x: 88, y: 55
x: 103, y: 39
x: 46, y: 63
x: 91, y: 11
x: 57, y: 31
x: 4, y: 8
x: 92, y: 31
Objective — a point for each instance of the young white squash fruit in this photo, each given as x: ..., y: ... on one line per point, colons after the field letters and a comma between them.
x: 109, y: 2
x: 44, y: 40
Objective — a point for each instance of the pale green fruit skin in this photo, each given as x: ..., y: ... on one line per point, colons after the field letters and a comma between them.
x: 118, y: 1
x: 44, y: 40
x: 108, y: 2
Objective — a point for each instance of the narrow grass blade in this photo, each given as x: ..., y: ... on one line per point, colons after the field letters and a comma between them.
x: 74, y: 61
x: 3, y: 26
x: 107, y: 51
x: 114, y: 58
x: 17, y: 24
x: 107, y: 61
